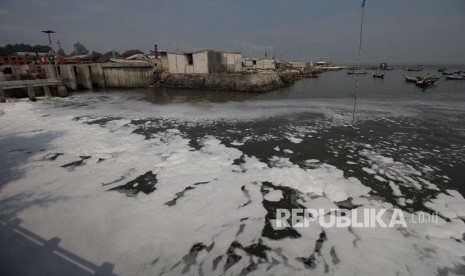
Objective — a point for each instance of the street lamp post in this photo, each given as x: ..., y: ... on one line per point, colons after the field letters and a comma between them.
x: 52, y: 54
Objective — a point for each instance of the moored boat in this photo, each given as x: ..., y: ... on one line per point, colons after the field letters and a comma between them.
x: 455, y: 77
x: 434, y: 79
x: 411, y: 79
x: 356, y: 73
x: 378, y: 75
x: 425, y: 82
x: 417, y: 68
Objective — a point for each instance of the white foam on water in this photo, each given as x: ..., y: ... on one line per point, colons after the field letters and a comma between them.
x: 275, y: 195
x: 395, y: 189
x: 236, y: 143
x: 201, y: 196
x: 403, y: 174
x: 450, y: 206
x: 368, y: 170
x: 294, y: 140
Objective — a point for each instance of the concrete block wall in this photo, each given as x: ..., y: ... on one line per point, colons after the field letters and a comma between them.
x: 96, y: 76
x: 83, y: 77
x: 68, y: 76
x: 127, y: 75
x: 102, y: 75
x: 200, y: 62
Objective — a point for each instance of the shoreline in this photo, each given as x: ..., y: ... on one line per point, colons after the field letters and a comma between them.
x: 257, y: 82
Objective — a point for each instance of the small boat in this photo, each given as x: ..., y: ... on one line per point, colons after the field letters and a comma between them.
x: 446, y: 73
x: 434, y: 79
x: 455, y: 77
x: 411, y: 79
x: 423, y: 83
x: 442, y: 69
x: 311, y: 76
x: 418, y: 68
x: 378, y: 75
x: 356, y: 73
x: 384, y: 67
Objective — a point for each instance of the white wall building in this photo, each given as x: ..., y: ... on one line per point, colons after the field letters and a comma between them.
x: 159, y: 60
x: 300, y: 65
x: 266, y: 64
x: 204, y: 62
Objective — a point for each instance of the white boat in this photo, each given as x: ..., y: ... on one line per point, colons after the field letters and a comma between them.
x: 455, y: 77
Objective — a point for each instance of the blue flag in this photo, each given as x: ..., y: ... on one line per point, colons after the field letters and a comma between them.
x: 363, y: 4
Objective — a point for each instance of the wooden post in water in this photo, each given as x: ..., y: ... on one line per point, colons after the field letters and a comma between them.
x: 31, y: 93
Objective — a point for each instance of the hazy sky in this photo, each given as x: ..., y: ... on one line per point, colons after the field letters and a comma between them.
x: 395, y: 31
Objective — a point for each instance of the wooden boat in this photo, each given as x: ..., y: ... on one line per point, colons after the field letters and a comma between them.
x: 418, y: 68
x: 455, y: 77
x: 426, y: 81
x: 411, y: 79
x: 423, y: 83
x: 356, y: 73
x: 378, y: 75
x: 434, y: 79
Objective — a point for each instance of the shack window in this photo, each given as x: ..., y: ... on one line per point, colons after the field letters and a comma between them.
x: 190, y: 59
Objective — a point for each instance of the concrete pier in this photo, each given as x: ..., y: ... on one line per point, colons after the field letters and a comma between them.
x: 68, y: 76
x: 83, y: 77
x: 97, y: 76
x: 50, y: 71
x: 29, y: 85
x: 102, y: 75
x: 31, y: 93
x: 47, y: 91
x: 62, y: 91
x: 2, y: 96
x: 127, y: 75
x: 78, y: 76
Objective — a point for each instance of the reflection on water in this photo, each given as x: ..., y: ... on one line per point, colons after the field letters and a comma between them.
x: 328, y: 85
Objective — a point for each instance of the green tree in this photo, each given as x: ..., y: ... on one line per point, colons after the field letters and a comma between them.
x: 79, y: 49
x: 10, y: 49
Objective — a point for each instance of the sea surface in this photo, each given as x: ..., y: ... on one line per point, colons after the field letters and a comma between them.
x: 417, y: 124
x: 159, y: 181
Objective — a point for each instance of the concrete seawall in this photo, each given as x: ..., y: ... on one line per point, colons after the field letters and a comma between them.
x: 125, y: 75
x: 102, y: 75
x: 260, y: 82
x: 89, y: 76
x: 31, y: 81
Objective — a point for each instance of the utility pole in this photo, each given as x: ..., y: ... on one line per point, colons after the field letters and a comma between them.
x: 59, y: 44
x: 52, y: 54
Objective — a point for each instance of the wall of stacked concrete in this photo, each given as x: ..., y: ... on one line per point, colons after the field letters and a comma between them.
x: 127, y: 75
x: 102, y: 75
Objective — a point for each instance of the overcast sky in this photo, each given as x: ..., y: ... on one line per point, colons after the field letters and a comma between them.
x: 395, y: 31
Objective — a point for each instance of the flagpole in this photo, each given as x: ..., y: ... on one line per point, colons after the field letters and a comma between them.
x: 358, y: 66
